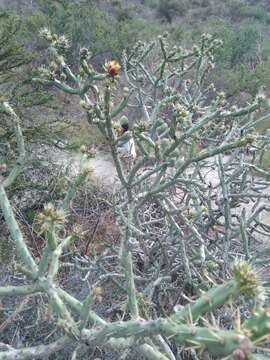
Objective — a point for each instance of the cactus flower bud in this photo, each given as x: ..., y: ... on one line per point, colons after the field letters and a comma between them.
x: 210, y: 65
x: 46, y: 34
x: 251, y: 138
x: 117, y: 127
x: 85, y: 105
x: 212, y: 87
x: 115, y: 124
x: 63, y: 77
x: 41, y: 217
x: 91, y: 153
x: 204, y: 209
x: 59, y: 60
x: 233, y: 108
x: 51, y: 216
x: 83, y: 149
x: 3, y: 168
x: 113, y: 68
x: 141, y: 126
x: 260, y: 99
x: 119, y: 130
x: 248, y: 279
x: 54, y: 37
x: 53, y: 66
x: 97, y: 294
x: 62, y: 42
x: 181, y: 111
x: 84, y: 53
x: 125, y: 92
x: 221, y: 94
x: 87, y: 168
x: 77, y: 230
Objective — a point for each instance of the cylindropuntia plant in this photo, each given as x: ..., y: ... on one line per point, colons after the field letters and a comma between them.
x: 176, y: 207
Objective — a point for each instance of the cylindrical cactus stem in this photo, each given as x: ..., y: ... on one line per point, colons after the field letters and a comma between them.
x: 16, y: 233
x: 34, y: 352
x: 52, y: 239
x: 19, y: 290
x: 85, y: 311
x: 44, y: 260
x: 215, y: 341
x: 120, y: 107
x: 245, y: 282
x: 64, y: 316
x: 111, y: 135
x: 20, y: 145
x: 85, y: 170
x: 258, y: 326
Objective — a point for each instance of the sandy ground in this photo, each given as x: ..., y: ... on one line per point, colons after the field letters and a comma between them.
x: 104, y: 174
x: 104, y: 170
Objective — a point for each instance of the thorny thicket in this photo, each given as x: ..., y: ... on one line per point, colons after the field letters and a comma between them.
x: 189, y: 205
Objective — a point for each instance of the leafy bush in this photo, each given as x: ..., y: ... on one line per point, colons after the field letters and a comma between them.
x: 168, y: 9
x: 15, y: 83
x: 13, y: 54
x: 239, y: 10
x: 107, y: 30
x: 245, y: 46
x: 124, y: 13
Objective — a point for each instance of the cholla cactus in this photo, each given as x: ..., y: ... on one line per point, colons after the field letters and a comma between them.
x: 177, y: 206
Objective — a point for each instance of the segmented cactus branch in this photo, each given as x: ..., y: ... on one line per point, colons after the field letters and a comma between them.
x: 178, y: 205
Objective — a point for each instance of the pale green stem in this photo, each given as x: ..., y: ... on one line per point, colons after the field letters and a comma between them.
x: 16, y: 233
x: 19, y: 290
x: 34, y: 352
x: 20, y: 146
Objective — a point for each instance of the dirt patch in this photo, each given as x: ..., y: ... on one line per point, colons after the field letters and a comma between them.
x: 104, y: 170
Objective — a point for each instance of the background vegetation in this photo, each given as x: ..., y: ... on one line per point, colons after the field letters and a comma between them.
x: 108, y: 27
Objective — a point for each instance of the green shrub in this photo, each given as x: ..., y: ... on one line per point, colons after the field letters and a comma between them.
x: 245, y: 45
x: 169, y: 8
x: 124, y: 13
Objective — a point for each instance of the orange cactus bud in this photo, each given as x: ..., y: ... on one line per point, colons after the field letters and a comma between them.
x: 113, y: 68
